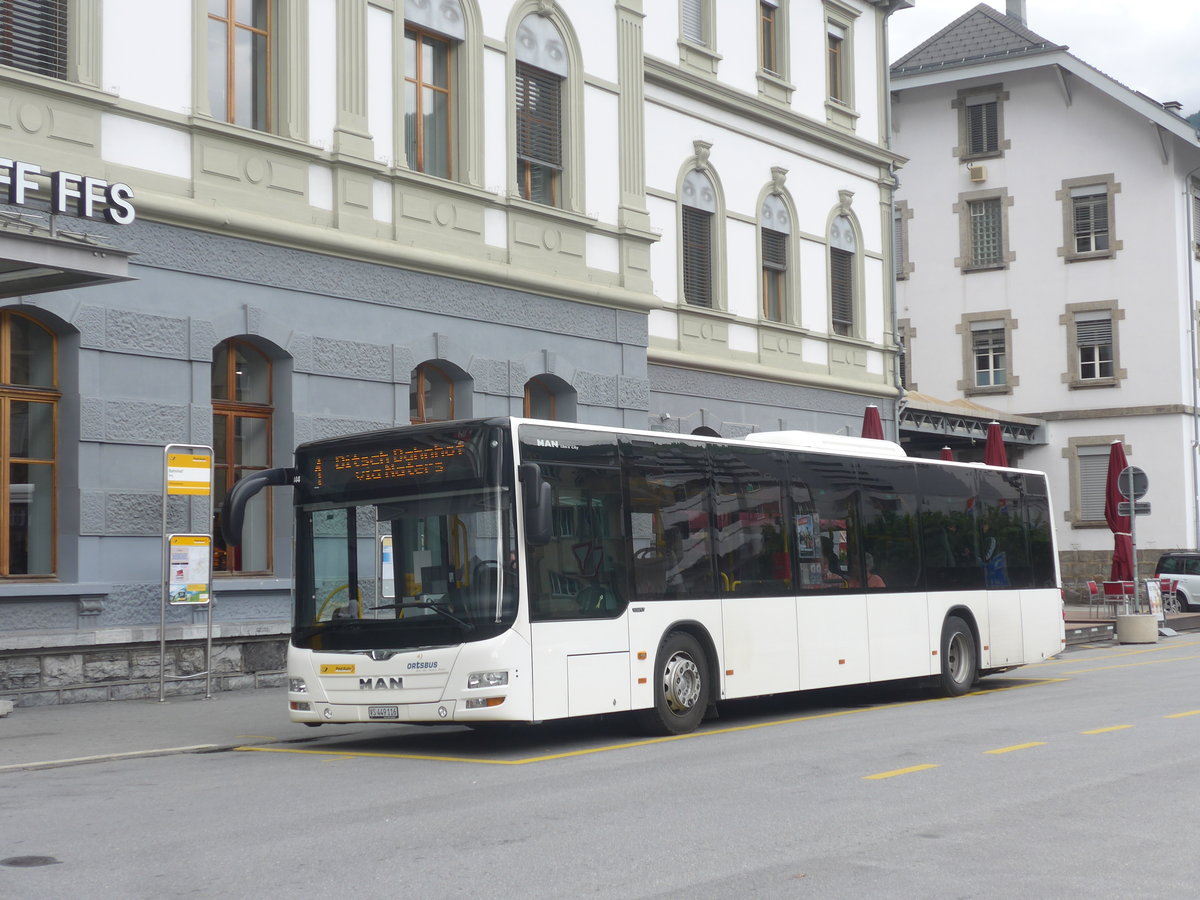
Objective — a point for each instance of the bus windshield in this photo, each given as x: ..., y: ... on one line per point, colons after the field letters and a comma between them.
x: 427, y: 562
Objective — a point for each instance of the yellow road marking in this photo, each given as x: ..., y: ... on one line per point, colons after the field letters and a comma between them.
x: 1109, y: 728
x: 1194, y: 712
x: 1017, y: 747
x: 646, y: 742
x: 1130, y: 665
x: 895, y: 772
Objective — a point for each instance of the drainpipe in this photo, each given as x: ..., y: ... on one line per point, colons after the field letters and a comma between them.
x: 891, y: 223
x: 1190, y: 262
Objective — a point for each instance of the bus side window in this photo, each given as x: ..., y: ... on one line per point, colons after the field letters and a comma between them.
x: 669, y: 483
x: 825, y: 520
x: 889, y: 526
x: 752, y: 535
x: 580, y: 573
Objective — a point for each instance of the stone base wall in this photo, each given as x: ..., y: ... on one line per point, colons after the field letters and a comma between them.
x: 81, y: 674
x: 1078, y: 567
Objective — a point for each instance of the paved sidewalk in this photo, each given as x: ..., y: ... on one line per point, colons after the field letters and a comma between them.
x: 32, y: 737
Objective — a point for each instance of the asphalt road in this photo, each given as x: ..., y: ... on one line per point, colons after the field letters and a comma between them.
x: 1067, y: 779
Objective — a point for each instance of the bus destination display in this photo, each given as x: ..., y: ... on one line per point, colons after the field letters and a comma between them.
x: 378, y: 466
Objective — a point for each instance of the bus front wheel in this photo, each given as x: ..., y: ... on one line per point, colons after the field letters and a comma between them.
x: 960, y: 668
x: 682, y: 687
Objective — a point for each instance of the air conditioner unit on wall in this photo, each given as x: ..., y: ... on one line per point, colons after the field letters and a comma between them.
x: 977, y: 173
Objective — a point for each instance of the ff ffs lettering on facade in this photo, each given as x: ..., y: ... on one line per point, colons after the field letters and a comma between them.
x: 70, y: 194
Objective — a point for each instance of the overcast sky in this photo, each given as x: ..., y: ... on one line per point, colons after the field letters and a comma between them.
x: 1152, y: 47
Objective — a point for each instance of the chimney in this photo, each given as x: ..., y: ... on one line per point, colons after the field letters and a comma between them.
x: 1016, y: 9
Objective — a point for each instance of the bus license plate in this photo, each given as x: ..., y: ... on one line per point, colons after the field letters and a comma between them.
x: 383, y: 712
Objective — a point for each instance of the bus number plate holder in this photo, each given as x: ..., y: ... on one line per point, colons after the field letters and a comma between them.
x: 383, y: 712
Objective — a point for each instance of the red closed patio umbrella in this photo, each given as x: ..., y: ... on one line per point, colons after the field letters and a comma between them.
x: 994, y: 453
x: 872, y: 426
x: 1122, y: 561
x: 947, y: 454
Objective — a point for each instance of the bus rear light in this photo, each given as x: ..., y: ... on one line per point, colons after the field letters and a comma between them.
x: 300, y: 705
x: 484, y: 702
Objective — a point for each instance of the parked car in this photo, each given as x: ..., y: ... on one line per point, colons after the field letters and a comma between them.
x: 1182, y: 566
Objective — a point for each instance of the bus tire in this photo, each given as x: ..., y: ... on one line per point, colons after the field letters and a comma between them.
x: 682, y: 686
x: 960, y: 668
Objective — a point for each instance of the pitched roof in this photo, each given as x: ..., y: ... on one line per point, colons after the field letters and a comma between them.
x: 976, y: 35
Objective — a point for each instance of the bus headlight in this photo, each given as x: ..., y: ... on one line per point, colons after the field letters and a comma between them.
x: 487, y: 679
x: 297, y: 686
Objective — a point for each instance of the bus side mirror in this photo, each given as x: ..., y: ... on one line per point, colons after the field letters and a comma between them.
x: 233, y: 510
x: 539, y: 518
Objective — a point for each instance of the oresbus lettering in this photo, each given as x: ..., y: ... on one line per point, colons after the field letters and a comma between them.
x: 70, y: 194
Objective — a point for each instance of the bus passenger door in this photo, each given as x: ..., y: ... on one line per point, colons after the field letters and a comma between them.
x: 578, y: 598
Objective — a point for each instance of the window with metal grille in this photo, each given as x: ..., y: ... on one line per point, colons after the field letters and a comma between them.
x: 988, y: 348
x: 899, y: 245
x: 239, y: 62
x: 539, y: 134
x: 987, y: 239
x: 841, y: 288
x: 33, y: 36
x: 697, y: 256
x: 691, y: 16
x: 774, y: 262
x: 768, y: 48
x: 1089, y: 207
x: 1196, y: 216
x: 1094, y: 340
x: 1092, y: 468
x: 983, y: 134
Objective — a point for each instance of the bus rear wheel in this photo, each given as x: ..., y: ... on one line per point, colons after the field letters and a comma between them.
x: 960, y: 668
x: 682, y: 687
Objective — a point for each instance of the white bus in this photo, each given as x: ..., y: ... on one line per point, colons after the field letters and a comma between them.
x: 513, y: 570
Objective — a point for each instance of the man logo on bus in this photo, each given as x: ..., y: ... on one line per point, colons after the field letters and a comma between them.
x: 380, y: 684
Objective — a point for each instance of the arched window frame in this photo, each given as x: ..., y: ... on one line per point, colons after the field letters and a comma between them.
x: 431, y: 375
x: 699, y: 165
x: 844, y: 259
x: 46, y: 465
x: 570, y: 185
x: 229, y: 412
x: 465, y: 140
x: 776, y: 221
x: 553, y: 391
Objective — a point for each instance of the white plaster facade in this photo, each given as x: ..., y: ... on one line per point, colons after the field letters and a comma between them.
x: 1062, y: 123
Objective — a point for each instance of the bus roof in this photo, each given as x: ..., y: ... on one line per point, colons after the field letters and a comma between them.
x: 829, y: 443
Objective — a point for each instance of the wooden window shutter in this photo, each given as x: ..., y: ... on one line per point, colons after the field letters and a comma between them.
x: 841, y: 266
x: 539, y: 116
x: 33, y: 36
x: 697, y: 256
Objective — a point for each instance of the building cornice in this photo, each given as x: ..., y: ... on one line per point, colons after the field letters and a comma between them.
x: 730, y: 101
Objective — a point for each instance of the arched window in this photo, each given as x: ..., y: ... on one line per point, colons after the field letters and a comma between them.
x: 843, y: 245
x: 29, y: 397
x: 430, y: 394
x: 699, y: 207
x: 433, y: 34
x: 541, y: 74
x: 549, y: 397
x: 242, y: 419
x: 775, y: 228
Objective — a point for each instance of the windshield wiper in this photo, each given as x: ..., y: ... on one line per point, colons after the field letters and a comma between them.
x: 426, y: 604
x: 328, y: 625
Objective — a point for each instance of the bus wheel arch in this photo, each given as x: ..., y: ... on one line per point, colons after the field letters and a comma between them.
x: 684, y: 680
x: 959, y: 652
